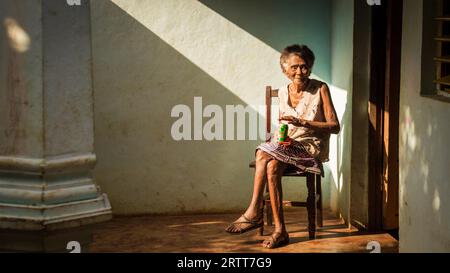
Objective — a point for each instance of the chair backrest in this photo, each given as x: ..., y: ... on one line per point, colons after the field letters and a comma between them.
x: 270, y: 93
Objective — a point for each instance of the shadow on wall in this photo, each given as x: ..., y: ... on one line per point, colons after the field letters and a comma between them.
x: 138, y: 79
x: 424, y: 178
x: 278, y: 24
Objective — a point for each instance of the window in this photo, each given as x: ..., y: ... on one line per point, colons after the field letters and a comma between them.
x: 436, y: 49
x: 442, y: 40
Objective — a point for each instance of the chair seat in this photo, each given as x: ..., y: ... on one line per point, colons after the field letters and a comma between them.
x: 290, y: 171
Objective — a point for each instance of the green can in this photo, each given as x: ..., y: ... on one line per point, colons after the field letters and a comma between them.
x: 283, y: 131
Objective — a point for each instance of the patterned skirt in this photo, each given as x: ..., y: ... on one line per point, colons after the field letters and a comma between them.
x: 295, y: 155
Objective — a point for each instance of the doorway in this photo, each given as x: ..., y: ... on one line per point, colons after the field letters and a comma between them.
x: 374, y: 192
x: 383, y: 113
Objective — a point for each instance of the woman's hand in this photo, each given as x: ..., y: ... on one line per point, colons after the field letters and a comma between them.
x: 295, y: 121
x: 286, y: 143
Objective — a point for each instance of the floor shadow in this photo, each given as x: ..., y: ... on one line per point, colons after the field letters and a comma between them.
x: 153, y: 234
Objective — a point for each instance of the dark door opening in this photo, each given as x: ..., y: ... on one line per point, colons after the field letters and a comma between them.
x: 384, y: 116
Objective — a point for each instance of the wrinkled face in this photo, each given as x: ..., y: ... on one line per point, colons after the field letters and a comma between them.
x: 296, y: 69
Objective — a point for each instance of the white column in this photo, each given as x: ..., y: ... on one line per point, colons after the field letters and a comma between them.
x: 47, y: 152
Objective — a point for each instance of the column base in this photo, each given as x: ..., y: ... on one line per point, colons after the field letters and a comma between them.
x: 52, y: 217
x: 50, y: 193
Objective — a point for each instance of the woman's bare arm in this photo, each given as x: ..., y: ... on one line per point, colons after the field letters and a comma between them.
x: 331, y: 125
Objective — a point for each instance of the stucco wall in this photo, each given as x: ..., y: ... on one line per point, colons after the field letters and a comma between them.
x: 423, y: 151
x: 21, y: 79
x: 341, y: 90
x: 42, y: 70
x: 149, y: 56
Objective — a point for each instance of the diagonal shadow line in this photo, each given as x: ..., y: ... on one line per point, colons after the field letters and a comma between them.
x: 117, y: 124
x: 279, y: 23
x: 133, y: 69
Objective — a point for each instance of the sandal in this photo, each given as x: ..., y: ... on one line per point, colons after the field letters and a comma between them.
x: 273, y: 242
x: 253, y: 224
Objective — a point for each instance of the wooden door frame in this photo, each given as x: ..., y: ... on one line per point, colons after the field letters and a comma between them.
x: 385, y: 61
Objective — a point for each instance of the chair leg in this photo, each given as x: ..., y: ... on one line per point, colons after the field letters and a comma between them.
x: 319, y: 201
x: 269, y: 214
x: 261, y: 229
x: 311, y: 205
x: 268, y: 207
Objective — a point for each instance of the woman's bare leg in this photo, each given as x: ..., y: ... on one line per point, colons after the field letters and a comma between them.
x: 253, y: 210
x: 260, y: 180
x: 275, y: 171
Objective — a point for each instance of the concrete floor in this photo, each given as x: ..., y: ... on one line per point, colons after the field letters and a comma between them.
x: 205, y: 234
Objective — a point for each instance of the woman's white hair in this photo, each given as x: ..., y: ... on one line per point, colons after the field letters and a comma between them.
x: 300, y: 50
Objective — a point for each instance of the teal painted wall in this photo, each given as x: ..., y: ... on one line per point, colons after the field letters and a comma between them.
x: 149, y: 56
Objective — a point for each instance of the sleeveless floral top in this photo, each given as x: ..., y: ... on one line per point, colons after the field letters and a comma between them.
x: 309, y: 108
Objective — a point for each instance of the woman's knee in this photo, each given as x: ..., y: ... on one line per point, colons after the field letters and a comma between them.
x: 261, y: 156
x: 273, y: 168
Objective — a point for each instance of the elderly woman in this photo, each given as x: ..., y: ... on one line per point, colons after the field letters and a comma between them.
x: 306, y: 106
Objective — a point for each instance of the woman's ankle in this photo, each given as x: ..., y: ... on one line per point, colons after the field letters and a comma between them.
x: 253, y: 214
x: 280, y: 230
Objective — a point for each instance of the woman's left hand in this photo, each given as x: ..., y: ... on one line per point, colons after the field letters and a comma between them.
x: 295, y: 121
x: 286, y: 143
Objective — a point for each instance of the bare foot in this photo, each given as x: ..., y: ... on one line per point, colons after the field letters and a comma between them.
x: 277, y: 239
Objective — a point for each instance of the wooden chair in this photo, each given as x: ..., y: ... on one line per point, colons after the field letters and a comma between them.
x: 313, y: 202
